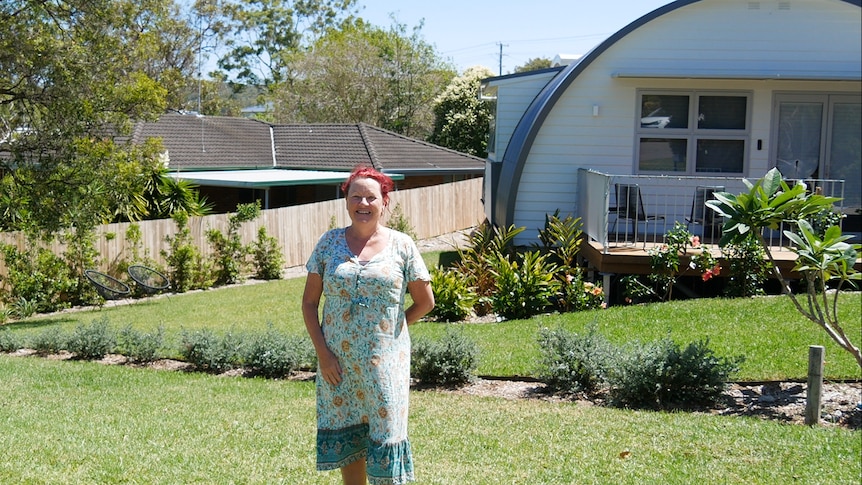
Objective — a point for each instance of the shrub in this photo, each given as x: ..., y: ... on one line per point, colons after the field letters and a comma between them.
x: 92, y: 341
x: 208, y: 352
x: 274, y: 354
x: 454, y: 298
x: 6, y: 313
x: 186, y: 267
x: 575, y: 294
x: 23, y: 308
x: 635, y: 291
x: 229, y: 252
x: 524, y: 289
x: 665, y: 260
x: 9, y: 341
x: 80, y: 254
x: 574, y: 363
x: 139, y: 346
x: 398, y: 221
x: 748, y: 267
x: 450, y: 361
x: 49, y: 341
x: 39, y: 277
x: 662, y: 375
x: 268, y: 258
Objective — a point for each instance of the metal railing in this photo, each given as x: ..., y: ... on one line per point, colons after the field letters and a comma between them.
x: 620, y: 210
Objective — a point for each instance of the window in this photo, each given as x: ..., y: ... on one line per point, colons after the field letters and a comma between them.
x: 817, y: 135
x: 693, y: 132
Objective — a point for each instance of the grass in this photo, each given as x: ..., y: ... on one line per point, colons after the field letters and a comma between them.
x: 83, y: 422
x: 768, y: 331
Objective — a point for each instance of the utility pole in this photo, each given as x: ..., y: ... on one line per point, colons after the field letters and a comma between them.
x: 501, y: 55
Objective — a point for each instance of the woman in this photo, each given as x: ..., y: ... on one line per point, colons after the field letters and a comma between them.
x: 362, y: 343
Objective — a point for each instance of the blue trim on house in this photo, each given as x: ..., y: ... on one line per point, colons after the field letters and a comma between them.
x: 512, y: 164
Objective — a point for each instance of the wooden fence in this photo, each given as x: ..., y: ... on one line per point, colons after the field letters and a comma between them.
x: 431, y: 211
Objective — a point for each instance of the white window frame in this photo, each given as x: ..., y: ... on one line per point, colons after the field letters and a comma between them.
x: 692, y: 133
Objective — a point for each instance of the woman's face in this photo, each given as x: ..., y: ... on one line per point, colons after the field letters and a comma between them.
x: 365, y: 201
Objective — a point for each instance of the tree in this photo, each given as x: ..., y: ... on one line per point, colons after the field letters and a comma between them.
x: 821, y: 259
x: 67, y: 82
x: 267, y: 33
x: 534, y: 64
x: 461, y: 119
x: 363, y: 73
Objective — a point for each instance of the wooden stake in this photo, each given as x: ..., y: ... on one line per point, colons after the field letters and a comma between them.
x: 815, y: 385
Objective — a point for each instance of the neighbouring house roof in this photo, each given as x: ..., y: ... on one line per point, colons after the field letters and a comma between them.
x: 259, y: 179
x: 196, y: 143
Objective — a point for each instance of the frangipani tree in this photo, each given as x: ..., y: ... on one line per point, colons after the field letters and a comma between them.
x: 825, y: 262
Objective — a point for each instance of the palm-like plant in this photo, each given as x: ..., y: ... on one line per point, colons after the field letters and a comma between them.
x: 770, y: 202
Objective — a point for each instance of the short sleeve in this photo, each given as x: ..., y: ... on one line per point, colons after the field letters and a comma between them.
x: 415, y: 269
x: 317, y: 261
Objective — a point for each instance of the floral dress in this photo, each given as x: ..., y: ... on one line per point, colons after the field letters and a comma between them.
x: 365, y: 416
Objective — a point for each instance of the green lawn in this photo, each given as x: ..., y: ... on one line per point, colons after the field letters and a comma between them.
x: 67, y: 422
x: 771, y: 335
x: 83, y: 422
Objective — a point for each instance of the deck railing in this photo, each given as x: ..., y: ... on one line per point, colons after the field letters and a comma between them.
x: 619, y: 210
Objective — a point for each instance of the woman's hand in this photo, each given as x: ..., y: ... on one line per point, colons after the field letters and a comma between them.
x: 329, y: 368
x: 327, y: 362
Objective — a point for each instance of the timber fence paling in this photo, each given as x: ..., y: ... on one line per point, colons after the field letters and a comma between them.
x: 431, y: 211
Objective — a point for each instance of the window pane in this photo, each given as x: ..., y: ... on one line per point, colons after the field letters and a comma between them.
x: 715, y: 156
x: 799, y: 127
x: 721, y: 112
x: 664, y: 111
x: 846, y: 151
x: 662, y: 155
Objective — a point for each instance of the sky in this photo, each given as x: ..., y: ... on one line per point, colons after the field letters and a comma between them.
x: 470, y: 33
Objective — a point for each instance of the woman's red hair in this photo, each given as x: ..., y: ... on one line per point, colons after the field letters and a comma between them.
x: 364, y: 171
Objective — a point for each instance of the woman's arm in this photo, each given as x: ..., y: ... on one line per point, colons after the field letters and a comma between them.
x: 423, y: 300
x: 328, y: 364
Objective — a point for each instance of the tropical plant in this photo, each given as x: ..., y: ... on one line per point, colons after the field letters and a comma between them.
x: 822, y: 261
x: 525, y: 285
x: 454, y: 298
x: 485, y: 245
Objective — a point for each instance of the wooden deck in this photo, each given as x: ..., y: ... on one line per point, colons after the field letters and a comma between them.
x: 633, y: 258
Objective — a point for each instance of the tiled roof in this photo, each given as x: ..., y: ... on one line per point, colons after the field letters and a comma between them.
x: 222, y: 143
x: 210, y: 142
x: 320, y: 146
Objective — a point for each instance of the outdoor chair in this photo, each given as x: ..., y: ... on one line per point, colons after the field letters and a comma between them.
x: 148, y: 280
x: 630, y: 207
x: 107, y: 286
x: 703, y: 215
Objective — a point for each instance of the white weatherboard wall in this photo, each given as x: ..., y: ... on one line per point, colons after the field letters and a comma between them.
x: 514, y: 95
x: 699, y: 46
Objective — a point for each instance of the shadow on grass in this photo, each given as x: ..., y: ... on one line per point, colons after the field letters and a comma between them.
x: 449, y: 258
